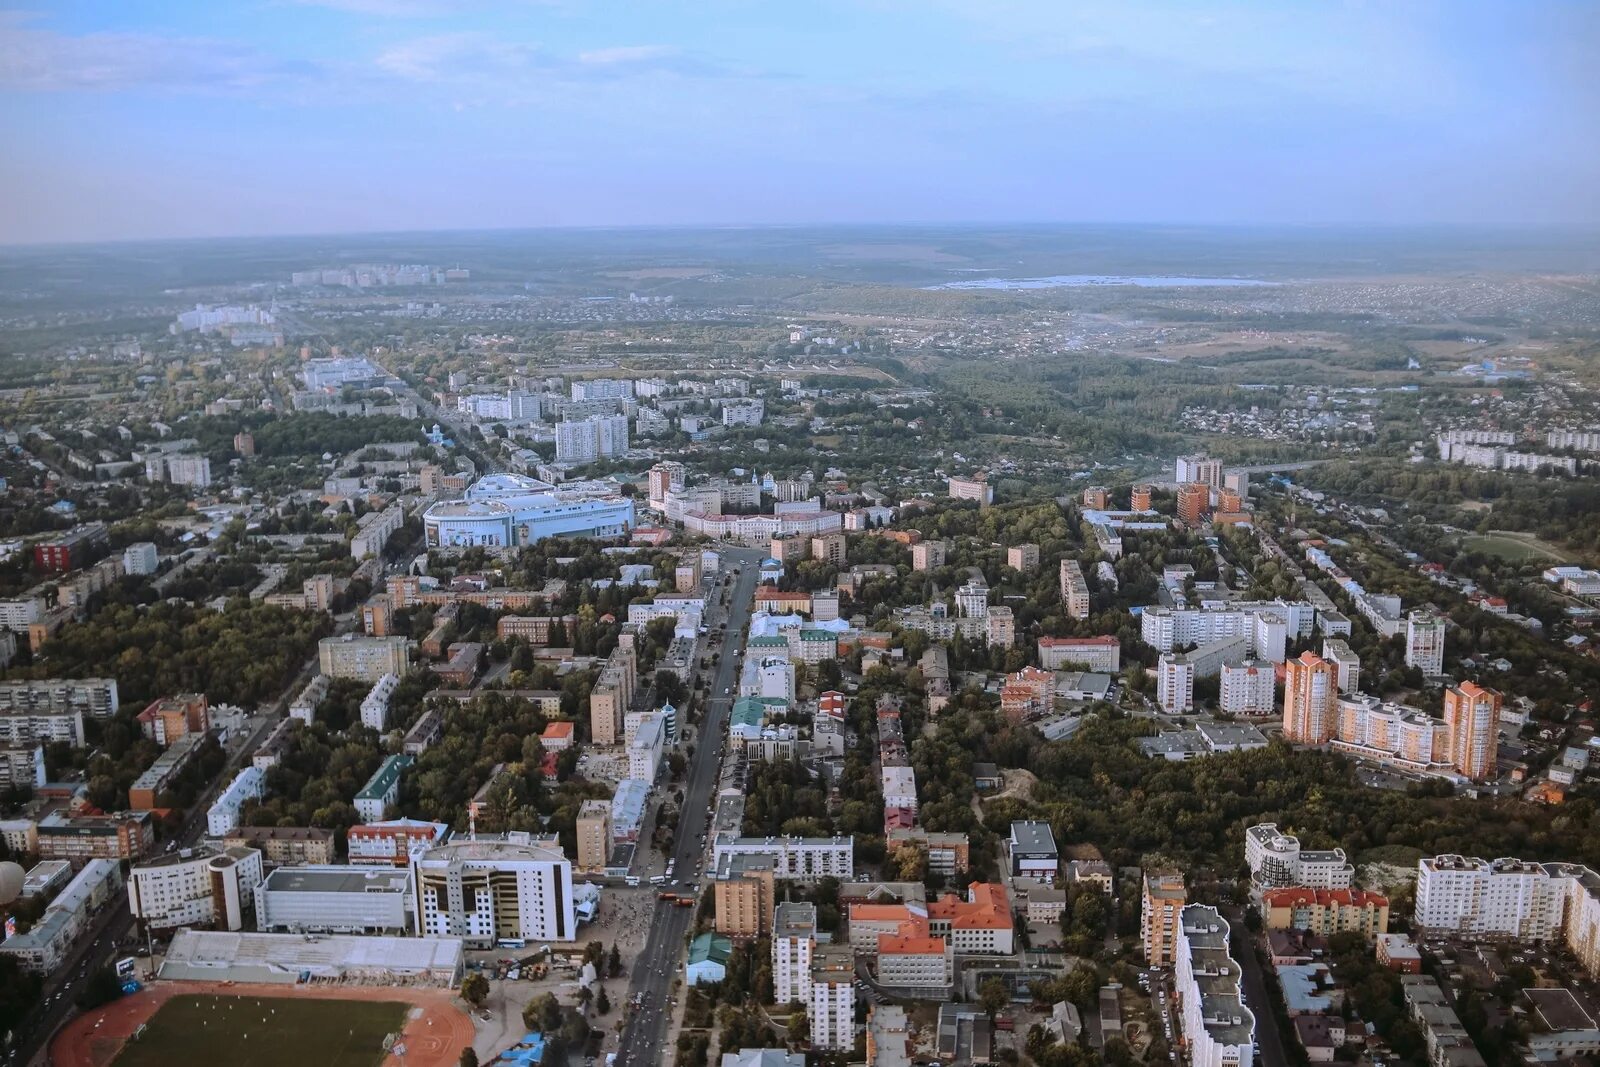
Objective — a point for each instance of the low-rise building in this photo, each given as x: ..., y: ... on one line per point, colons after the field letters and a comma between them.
x: 335, y: 900
x: 382, y: 789
x: 44, y: 946
x: 284, y: 845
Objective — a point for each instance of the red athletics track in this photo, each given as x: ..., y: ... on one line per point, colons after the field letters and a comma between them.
x: 434, y: 1038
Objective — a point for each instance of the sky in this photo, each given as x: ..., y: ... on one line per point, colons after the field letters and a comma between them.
x: 186, y: 118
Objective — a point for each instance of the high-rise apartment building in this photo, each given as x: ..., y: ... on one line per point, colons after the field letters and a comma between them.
x: 794, y: 940
x: 1425, y: 642
x: 1193, y: 500
x: 1472, y: 718
x: 594, y: 834
x: 1140, y: 498
x: 1249, y: 687
x: 1310, y: 689
x: 1159, y: 916
x: 1200, y: 468
x: 590, y: 439
x: 1175, y: 683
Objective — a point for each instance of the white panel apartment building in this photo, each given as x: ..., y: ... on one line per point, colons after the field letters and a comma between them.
x: 1249, y: 688
x: 1175, y: 683
x: 95, y: 697
x: 375, y: 705
x: 508, y: 886
x: 1515, y: 899
x: 1269, y: 625
x: 1489, y: 898
x: 794, y: 940
x: 1219, y: 1028
x: 1346, y: 664
x: 831, y: 1009
x: 1425, y: 642
x: 586, y: 440
x: 799, y: 859
x: 1277, y: 861
x: 222, y: 818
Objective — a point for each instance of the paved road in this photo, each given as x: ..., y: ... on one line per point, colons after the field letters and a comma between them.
x: 103, y: 942
x: 644, y: 1037
x: 1255, y: 990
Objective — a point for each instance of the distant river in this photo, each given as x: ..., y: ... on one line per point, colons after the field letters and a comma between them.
x: 1077, y: 281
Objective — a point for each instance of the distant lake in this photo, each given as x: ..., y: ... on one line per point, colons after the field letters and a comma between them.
x: 1077, y: 281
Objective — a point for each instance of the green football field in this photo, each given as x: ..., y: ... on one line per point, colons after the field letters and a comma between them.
x: 264, y: 1032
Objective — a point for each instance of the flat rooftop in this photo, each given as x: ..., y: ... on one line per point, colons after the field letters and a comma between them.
x: 337, y: 880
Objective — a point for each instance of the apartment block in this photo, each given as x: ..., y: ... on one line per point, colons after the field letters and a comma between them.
x: 1249, y: 687
x: 594, y: 834
x: 367, y: 658
x: 1277, y: 861
x: 794, y: 940
x: 1425, y: 642
x: 1074, y: 590
x: 1472, y: 719
x: 1102, y: 654
x: 1310, y: 688
x: 1024, y: 558
x: 1161, y: 908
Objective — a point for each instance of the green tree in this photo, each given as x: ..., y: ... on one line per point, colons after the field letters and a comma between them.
x: 475, y: 989
x: 993, y: 997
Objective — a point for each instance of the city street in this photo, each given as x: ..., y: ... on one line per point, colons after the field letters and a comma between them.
x: 103, y: 942
x: 644, y: 1037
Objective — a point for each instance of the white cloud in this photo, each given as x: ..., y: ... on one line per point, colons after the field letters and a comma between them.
x: 625, y: 54
x: 42, y: 59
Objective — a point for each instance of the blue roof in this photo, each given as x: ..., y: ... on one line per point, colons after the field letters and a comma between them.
x: 529, y: 1051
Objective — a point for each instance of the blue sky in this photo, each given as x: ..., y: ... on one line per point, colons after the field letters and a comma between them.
x: 139, y: 118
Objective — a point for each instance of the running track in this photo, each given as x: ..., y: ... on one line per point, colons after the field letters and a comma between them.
x: 79, y: 1044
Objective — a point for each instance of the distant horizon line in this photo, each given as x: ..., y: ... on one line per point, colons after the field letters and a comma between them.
x: 1573, y: 229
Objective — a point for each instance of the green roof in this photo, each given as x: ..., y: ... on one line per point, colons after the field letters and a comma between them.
x: 768, y: 642
x: 708, y: 946
x: 384, y: 777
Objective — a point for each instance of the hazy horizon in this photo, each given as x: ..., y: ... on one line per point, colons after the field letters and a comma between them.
x: 298, y: 117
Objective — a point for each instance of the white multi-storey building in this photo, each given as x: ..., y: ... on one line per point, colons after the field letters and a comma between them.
x: 375, y: 705
x: 141, y: 558
x: 1175, y: 683
x: 1269, y: 625
x: 596, y: 437
x: 196, y: 887
x: 1219, y: 1029
x: 95, y: 697
x: 222, y: 818
x: 1249, y: 688
x: 1277, y: 861
x: 748, y: 412
x: 831, y: 1010
x: 1483, y: 898
x: 335, y: 899
x: 1346, y: 664
x: 800, y: 859
x: 1425, y: 642
x: 483, y: 890
x: 794, y: 940
x: 1201, y: 468
x: 644, y: 751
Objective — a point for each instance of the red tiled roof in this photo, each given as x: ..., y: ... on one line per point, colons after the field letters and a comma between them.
x: 1295, y: 896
